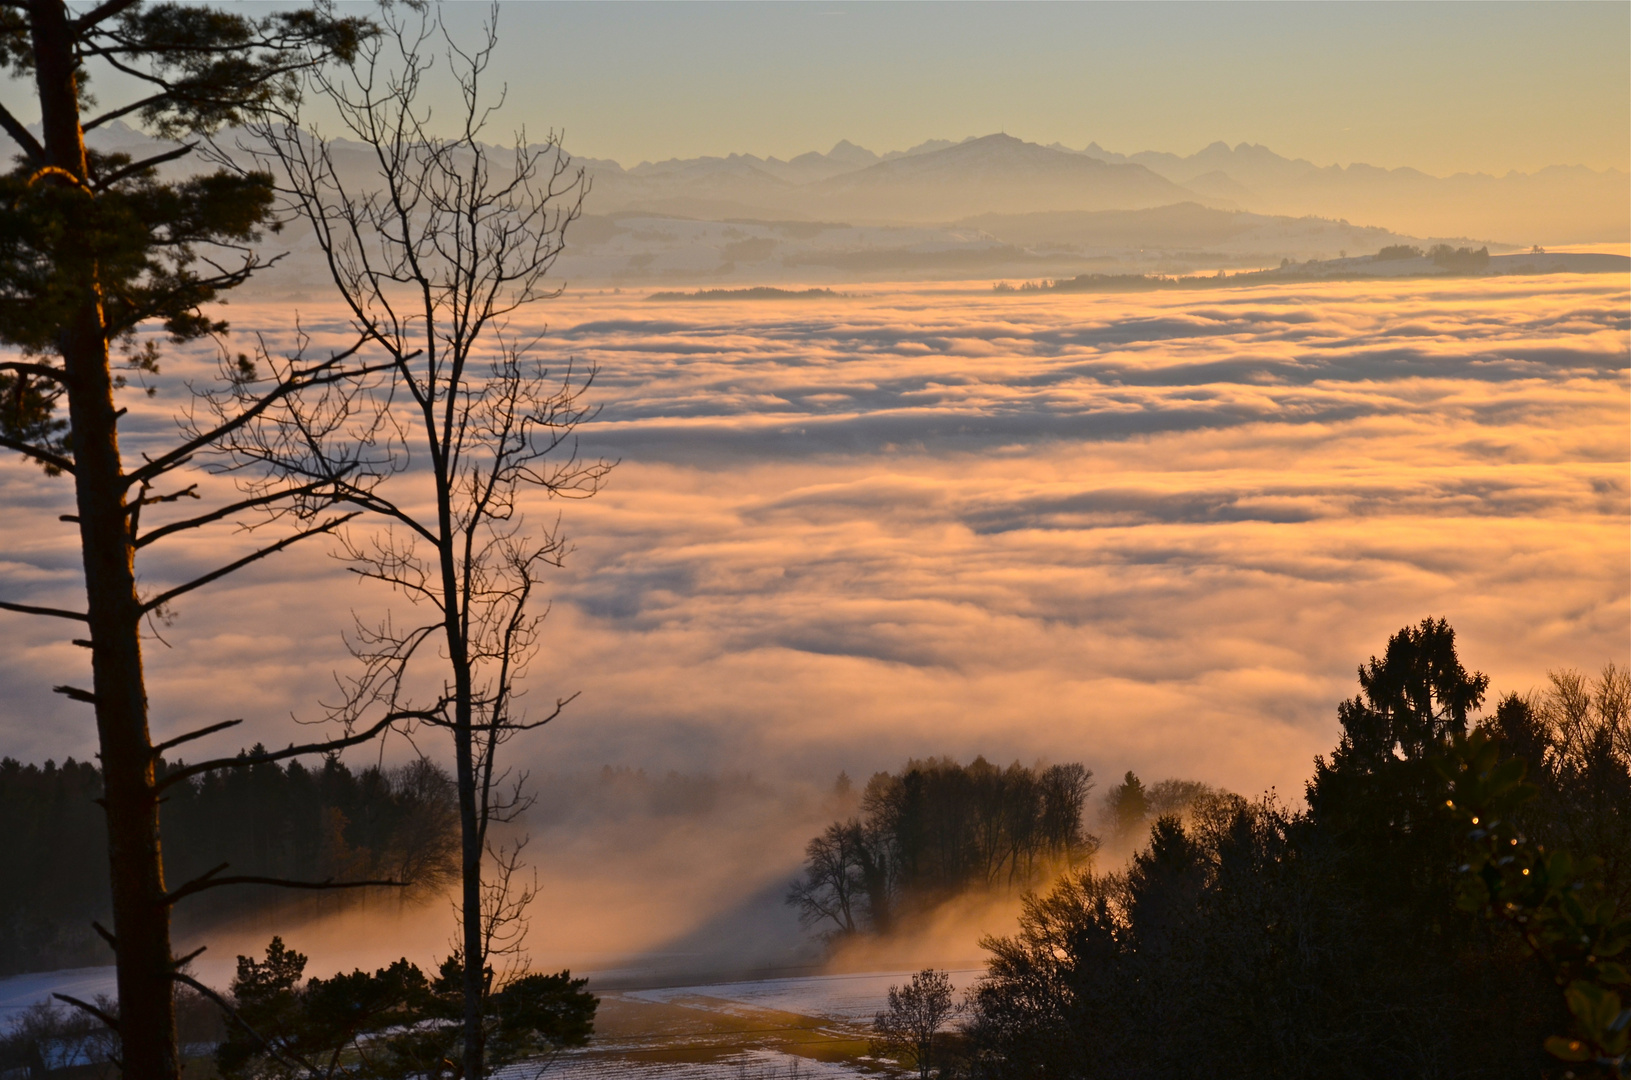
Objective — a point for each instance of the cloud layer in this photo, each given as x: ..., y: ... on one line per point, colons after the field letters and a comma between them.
x: 1148, y: 532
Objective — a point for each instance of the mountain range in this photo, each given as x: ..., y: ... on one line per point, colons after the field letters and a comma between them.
x: 997, y: 207
x: 944, y: 181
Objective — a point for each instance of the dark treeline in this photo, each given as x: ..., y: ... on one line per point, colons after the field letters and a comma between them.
x: 294, y: 822
x: 1446, y: 258
x: 937, y: 829
x: 1349, y: 939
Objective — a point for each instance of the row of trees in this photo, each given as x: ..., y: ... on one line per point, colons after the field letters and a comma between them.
x: 1418, y: 919
x: 430, y: 258
x: 268, y: 821
x: 937, y: 829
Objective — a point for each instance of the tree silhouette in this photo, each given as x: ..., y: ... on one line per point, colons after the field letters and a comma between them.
x: 92, y: 246
x: 913, y: 1017
x: 1375, y: 928
x: 449, y: 239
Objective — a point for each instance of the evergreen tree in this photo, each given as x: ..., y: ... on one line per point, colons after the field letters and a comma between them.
x: 1245, y: 940
x: 395, y: 1023
x: 91, y: 246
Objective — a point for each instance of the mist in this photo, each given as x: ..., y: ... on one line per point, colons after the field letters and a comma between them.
x: 1140, y: 532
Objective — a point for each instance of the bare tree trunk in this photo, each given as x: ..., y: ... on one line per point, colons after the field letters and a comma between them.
x: 470, y: 814
x: 141, y: 915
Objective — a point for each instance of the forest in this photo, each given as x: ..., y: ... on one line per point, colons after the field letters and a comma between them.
x: 281, y: 821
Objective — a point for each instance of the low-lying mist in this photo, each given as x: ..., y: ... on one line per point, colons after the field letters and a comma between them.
x: 1147, y: 532
x: 651, y: 878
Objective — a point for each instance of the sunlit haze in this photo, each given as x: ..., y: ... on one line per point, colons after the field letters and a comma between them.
x: 1052, y: 383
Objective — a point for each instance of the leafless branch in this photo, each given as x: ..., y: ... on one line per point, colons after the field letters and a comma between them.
x: 325, y: 747
x: 214, y: 575
x: 30, y: 609
x: 170, y: 744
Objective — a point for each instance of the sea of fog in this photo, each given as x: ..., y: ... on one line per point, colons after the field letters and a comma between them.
x: 1148, y: 532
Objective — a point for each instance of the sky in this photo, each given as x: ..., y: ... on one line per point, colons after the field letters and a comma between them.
x: 1439, y: 87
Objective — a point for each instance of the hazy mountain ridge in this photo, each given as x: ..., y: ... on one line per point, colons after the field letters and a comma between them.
x: 941, y: 180
x: 1557, y: 204
x: 998, y: 207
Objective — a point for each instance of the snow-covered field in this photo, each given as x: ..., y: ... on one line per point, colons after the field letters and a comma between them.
x: 853, y: 998
x: 18, y: 992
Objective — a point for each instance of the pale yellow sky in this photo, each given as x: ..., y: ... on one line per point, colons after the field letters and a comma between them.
x: 1441, y: 87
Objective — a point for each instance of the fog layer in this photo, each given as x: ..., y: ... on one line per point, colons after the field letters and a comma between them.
x: 1154, y: 532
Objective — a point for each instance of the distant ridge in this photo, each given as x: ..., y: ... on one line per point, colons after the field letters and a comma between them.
x: 996, y: 173
x: 760, y: 292
x: 942, y: 180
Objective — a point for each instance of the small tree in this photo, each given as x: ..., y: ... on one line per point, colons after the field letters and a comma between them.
x: 395, y: 1023
x: 833, y: 888
x: 445, y: 242
x: 1126, y: 806
x: 915, y: 1014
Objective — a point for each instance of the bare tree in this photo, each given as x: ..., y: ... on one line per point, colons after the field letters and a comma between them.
x: 833, y: 888
x: 432, y: 255
x: 915, y: 1014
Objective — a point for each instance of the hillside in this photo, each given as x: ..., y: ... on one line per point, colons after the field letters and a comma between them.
x: 1558, y: 205
x: 993, y: 174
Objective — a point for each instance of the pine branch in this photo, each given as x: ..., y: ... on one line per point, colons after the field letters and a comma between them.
x: 226, y: 1007
x: 39, y: 371
x: 208, y: 880
x: 29, y: 609
x: 232, y: 567
x: 170, y: 744
x: 21, y: 136
x: 229, y: 509
x: 328, y: 746
x: 316, y: 376
x: 137, y: 166
x: 101, y: 13
x: 125, y: 110
x: 86, y: 1006
x: 44, y: 457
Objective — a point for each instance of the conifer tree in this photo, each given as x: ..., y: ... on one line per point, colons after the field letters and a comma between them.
x: 93, y: 245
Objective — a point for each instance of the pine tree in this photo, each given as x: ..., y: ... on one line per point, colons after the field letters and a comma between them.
x: 91, y: 246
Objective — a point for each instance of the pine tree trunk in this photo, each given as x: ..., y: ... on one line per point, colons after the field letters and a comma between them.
x: 141, y: 918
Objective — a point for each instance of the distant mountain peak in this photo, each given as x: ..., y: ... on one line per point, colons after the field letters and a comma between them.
x: 844, y: 150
